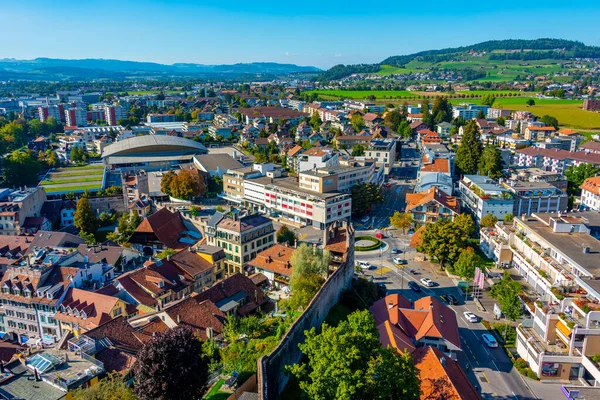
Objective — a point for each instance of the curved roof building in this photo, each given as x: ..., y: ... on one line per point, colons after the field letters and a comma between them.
x: 151, y: 152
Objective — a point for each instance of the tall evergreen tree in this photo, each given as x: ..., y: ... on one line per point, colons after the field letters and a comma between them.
x: 85, y: 219
x: 490, y: 163
x: 469, y: 151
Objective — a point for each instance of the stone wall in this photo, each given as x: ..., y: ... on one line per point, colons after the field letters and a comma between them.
x: 271, y: 368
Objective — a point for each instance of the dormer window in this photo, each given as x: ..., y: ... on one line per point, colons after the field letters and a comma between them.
x: 161, y: 284
x: 5, y: 289
x: 76, y: 312
x: 27, y: 292
x: 83, y: 315
x: 16, y: 291
x: 62, y: 308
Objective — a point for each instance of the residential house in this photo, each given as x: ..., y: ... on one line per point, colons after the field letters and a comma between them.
x: 274, y: 263
x: 431, y: 205
x: 590, y: 194
x: 536, y: 133
x: 162, y: 230
x: 16, y: 206
x: 237, y: 295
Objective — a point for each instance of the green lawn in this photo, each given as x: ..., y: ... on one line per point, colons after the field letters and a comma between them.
x: 215, y: 393
x: 71, y: 188
x: 83, y: 167
x: 62, y: 181
x: 54, y: 175
x: 391, y: 70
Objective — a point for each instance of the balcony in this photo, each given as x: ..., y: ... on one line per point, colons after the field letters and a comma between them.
x: 539, y: 345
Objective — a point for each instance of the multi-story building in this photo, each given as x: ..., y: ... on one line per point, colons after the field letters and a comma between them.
x: 590, y: 194
x: 534, y: 174
x: 494, y: 113
x: 338, y: 178
x: 16, y: 206
x: 274, y: 263
x: 76, y: 116
x: 56, y: 112
x: 557, y: 255
x: 233, y: 182
x: 113, y: 113
x: 534, y: 133
x: 383, y: 152
x: 536, y: 197
x: 554, y: 160
x: 481, y: 195
x: 468, y: 111
x: 241, y: 239
x: 315, y: 157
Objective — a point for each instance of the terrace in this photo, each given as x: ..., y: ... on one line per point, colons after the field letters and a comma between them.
x: 538, y: 344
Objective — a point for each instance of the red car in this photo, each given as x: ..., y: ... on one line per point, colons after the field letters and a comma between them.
x: 379, y: 235
x: 387, y: 185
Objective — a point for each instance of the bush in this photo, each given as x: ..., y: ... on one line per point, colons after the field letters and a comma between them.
x: 520, y: 363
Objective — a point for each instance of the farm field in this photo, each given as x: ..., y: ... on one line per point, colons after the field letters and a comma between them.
x: 391, y: 70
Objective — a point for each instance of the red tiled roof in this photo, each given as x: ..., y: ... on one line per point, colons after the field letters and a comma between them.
x: 230, y: 286
x: 274, y: 259
x: 559, y: 154
x: 96, y: 306
x: 438, y: 165
x: 167, y: 226
x: 592, y: 185
x: 433, y: 194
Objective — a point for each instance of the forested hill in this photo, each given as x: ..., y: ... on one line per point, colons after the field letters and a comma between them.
x: 511, y: 49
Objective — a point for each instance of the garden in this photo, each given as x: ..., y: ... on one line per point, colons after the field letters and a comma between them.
x: 367, y: 243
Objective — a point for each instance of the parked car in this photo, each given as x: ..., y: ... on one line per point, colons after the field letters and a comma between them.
x: 470, y: 316
x: 414, y: 286
x: 365, y: 219
x: 388, y: 184
x: 427, y: 282
x: 364, y: 265
x: 394, y: 250
x: 489, y: 340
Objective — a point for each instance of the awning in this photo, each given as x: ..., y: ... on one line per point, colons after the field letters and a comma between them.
x: 3, y: 335
x: 563, y: 329
x: 23, y: 339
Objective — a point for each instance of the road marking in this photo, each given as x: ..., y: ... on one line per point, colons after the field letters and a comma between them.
x: 516, y: 397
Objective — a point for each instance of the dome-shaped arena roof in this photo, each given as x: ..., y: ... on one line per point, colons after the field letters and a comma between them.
x: 152, y: 144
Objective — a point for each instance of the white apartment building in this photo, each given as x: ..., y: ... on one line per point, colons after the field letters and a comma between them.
x: 557, y: 255
x: 383, y: 152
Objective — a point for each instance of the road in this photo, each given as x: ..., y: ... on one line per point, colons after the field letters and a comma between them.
x: 489, y: 369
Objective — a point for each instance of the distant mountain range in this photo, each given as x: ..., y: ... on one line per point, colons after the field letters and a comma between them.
x: 94, y: 68
x: 510, y: 49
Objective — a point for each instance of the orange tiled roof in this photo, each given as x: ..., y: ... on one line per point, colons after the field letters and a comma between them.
x: 438, y: 165
x: 275, y: 259
x: 415, y: 240
x: 457, y: 386
x: 592, y: 185
x: 567, y: 132
x: 416, y: 199
x: 541, y: 128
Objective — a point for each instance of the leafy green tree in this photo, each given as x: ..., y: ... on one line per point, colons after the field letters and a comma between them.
x: 530, y: 102
x: 490, y: 163
x: 508, y: 218
x: 488, y: 99
x: 364, y: 196
x: 467, y: 262
x: 165, y: 253
x: 480, y: 115
x: 401, y: 220
x: 501, y: 121
x: 488, y: 221
x: 405, y: 130
x: 21, y: 168
x: 549, y: 120
x: 358, y: 150
x: 507, y: 293
x: 576, y: 175
x: 358, y: 122
x: 393, y: 119
x: 348, y: 362
x: 469, y: 151
x: 85, y: 219
x: 315, y: 121
x: 427, y: 117
x: 171, y: 366
x: 286, y: 235
x: 309, y: 271
x: 112, y: 387
x: 445, y: 240
x: 441, y: 110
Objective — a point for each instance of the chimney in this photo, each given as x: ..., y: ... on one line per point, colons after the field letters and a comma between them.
x: 390, y: 305
x: 37, y: 375
x: 178, y: 318
x: 586, y: 250
x: 209, y: 332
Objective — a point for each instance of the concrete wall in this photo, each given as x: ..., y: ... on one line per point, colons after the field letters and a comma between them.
x: 271, y: 368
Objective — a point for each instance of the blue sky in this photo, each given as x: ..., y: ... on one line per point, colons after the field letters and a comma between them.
x: 321, y: 33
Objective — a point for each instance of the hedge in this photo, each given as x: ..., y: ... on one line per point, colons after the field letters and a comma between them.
x: 376, y: 243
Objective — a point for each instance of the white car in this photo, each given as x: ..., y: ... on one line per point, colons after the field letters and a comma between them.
x: 489, y: 340
x: 363, y: 265
x: 365, y: 219
x: 398, y: 261
x: 427, y: 282
x: 470, y: 316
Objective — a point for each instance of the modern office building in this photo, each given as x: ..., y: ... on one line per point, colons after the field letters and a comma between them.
x: 481, y: 195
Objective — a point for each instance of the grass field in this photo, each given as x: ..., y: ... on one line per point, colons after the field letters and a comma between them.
x: 81, y: 188
x: 62, y: 181
x: 65, y: 175
x: 391, y: 70
x: 83, y: 167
